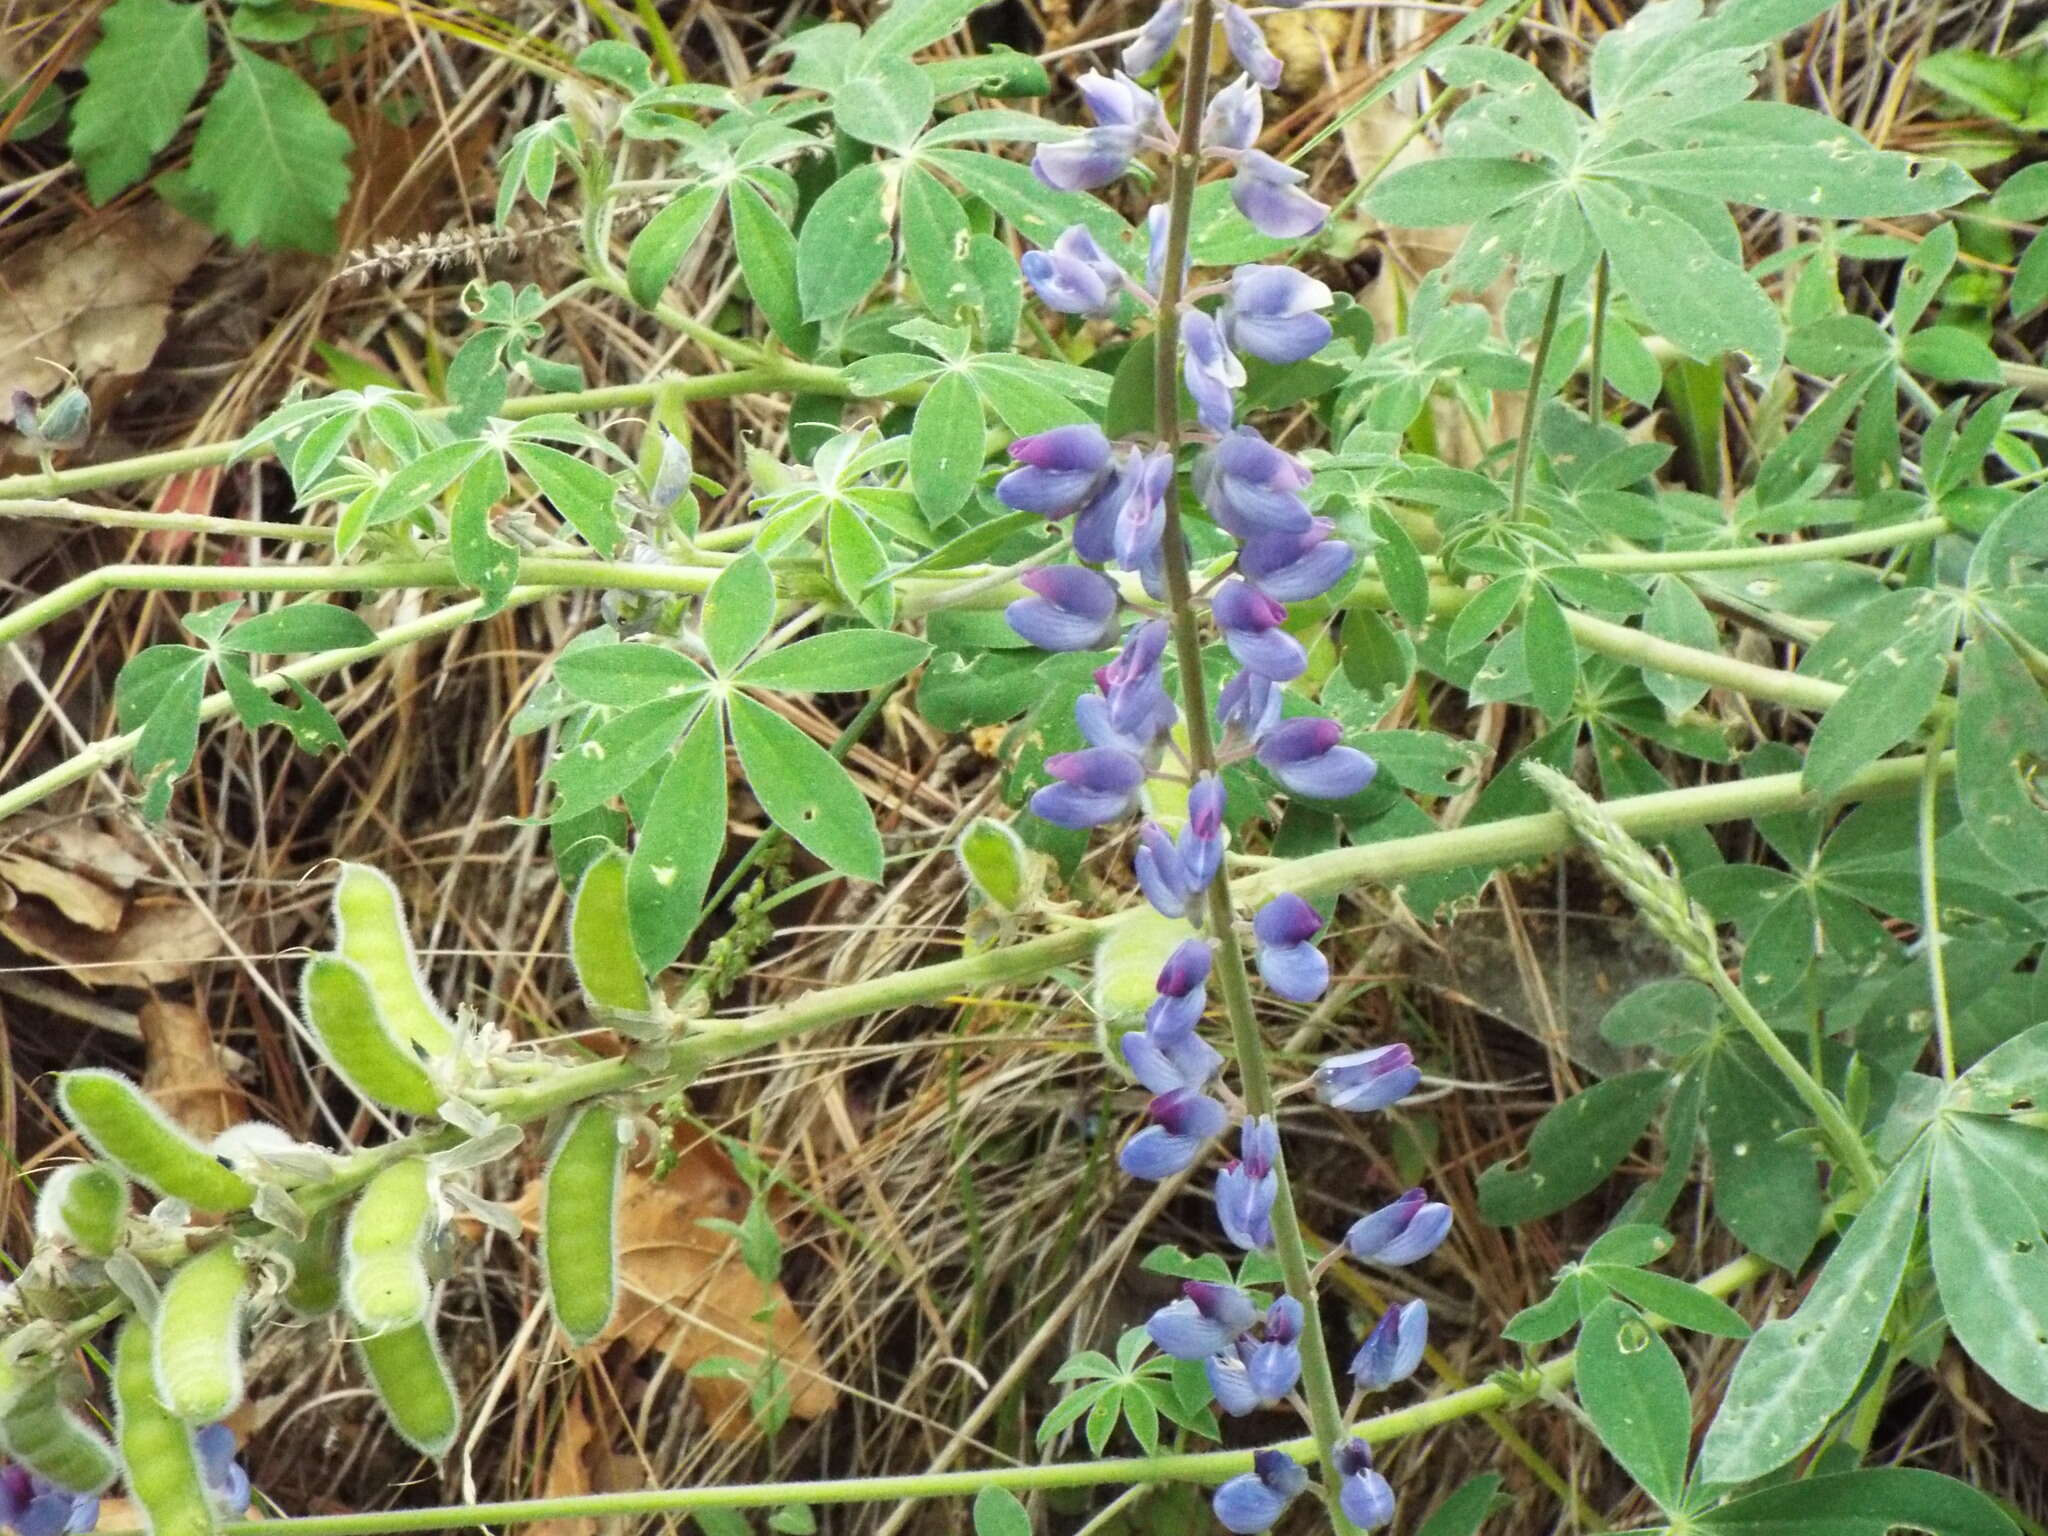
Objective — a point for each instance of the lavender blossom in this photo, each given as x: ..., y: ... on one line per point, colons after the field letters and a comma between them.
x: 1247, y: 1188
x: 226, y: 1481
x: 1271, y: 313
x: 1183, y: 992
x: 1166, y: 1061
x: 1249, y: 706
x: 1234, y: 119
x: 1409, y: 1229
x: 1090, y: 159
x: 1393, y: 1349
x: 1295, y: 567
x: 1289, y: 964
x: 1076, y: 276
x: 1212, y: 371
x: 1269, y: 194
x: 31, y: 1505
x: 1135, y: 704
x: 1366, y: 1081
x: 1259, y: 1373
x: 1248, y: 46
x: 1250, y: 622
x: 1162, y: 874
x: 1207, y: 1320
x: 1075, y: 609
x: 1307, y: 755
x: 1096, y: 785
x: 1062, y: 469
x: 1253, y: 489
x: 1363, y: 1495
x: 1252, y: 1501
x: 1201, y: 840
x: 1183, y: 1123
x: 1155, y: 38
x: 1095, y: 520
x: 1141, y: 519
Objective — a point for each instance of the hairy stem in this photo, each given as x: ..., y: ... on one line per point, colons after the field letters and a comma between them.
x: 1931, y: 935
x: 1532, y: 403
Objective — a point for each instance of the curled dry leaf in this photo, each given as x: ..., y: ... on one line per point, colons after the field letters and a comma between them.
x: 158, y: 940
x: 184, y: 1072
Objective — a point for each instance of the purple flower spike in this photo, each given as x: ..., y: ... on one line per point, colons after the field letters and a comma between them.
x: 35, y: 1506
x: 1247, y: 1188
x: 1271, y: 313
x: 1096, y: 785
x: 1290, y: 965
x: 1211, y: 369
x: 1162, y: 873
x: 1249, y: 705
x: 1061, y: 470
x: 1183, y: 992
x: 1366, y: 1081
x: 1201, y: 840
x: 1307, y: 755
x: 1269, y: 194
x: 1141, y: 519
x: 1076, y: 276
x: 1294, y: 567
x: 1235, y: 117
x: 1362, y: 1493
x: 1248, y: 46
x: 1155, y: 38
x: 1089, y: 160
x: 1393, y: 1349
x: 1207, y: 1320
x: 1167, y: 1064
x: 1184, y: 1122
x: 1075, y: 609
x: 1251, y: 622
x: 1252, y: 488
x: 1254, y: 1500
x: 1410, y: 1228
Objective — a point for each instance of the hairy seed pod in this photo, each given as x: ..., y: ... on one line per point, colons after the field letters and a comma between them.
x: 85, y: 1205
x: 601, y: 942
x: 131, y: 1132
x: 371, y: 917
x: 342, y: 1010
x: 384, y: 1272
x: 198, y: 1333
x: 315, y: 1259
x: 157, y: 1450
x: 581, y: 1264
x: 412, y: 1381
x: 37, y: 1430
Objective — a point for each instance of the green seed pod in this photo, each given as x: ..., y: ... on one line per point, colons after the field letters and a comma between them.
x: 129, y: 1131
x: 315, y: 1286
x: 384, y: 1272
x: 198, y: 1333
x: 85, y: 1205
x: 998, y: 864
x: 412, y: 1381
x: 601, y: 941
x: 38, y: 1431
x: 370, y: 1056
x: 164, y: 1476
x: 371, y: 917
x: 582, y: 1182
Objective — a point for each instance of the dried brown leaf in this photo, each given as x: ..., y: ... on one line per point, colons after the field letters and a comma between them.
x: 158, y: 941
x: 183, y: 1070
x: 83, y: 901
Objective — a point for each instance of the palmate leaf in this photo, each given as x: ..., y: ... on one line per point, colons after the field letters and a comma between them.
x: 269, y: 163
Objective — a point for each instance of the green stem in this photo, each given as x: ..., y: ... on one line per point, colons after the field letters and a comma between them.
x: 166, y: 522
x: 1596, y: 364
x: 1532, y: 405
x: 1931, y: 935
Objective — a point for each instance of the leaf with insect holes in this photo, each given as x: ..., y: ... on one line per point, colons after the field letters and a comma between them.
x: 680, y: 840
x: 844, y: 245
x: 1634, y: 1391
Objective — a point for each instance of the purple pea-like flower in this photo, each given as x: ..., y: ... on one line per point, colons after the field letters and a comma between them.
x: 1207, y: 1320
x: 1183, y: 1123
x: 1076, y: 276
x: 1247, y: 45
x: 1150, y: 46
x: 1288, y: 962
x: 1230, y: 1383
x: 1095, y: 521
x: 1136, y: 704
x: 1247, y: 1188
x: 1096, y: 785
x: 1307, y: 754
x: 1141, y: 519
x: 1252, y: 1501
x: 1273, y: 1363
x: 1061, y: 470
x: 225, y: 1478
x: 31, y: 1505
x: 1402, y: 1232
x: 1252, y: 488
x: 1250, y: 622
x: 1118, y: 101
x: 1183, y: 987
x: 1366, y: 1081
x: 1249, y: 706
x: 1393, y: 1349
x: 1158, y: 221
x: 1090, y: 159
x: 1269, y: 194
x: 1363, y: 1495
x: 1271, y: 313
x: 1166, y: 1062
x: 1201, y: 840
x: 1294, y: 567
x: 1211, y: 369
x: 1162, y: 874
x: 1235, y: 117
x: 1074, y: 609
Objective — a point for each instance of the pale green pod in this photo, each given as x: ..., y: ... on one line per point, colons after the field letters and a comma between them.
x: 157, y: 1450
x: 601, y: 941
x: 580, y: 1259
x: 995, y: 859
x: 342, y: 1011
x: 315, y: 1286
x: 42, y: 1434
x: 198, y: 1334
x: 384, y: 1272
x: 85, y: 1205
x: 412, y: 1382
x: 132, y: 1133
x: 371, y: 918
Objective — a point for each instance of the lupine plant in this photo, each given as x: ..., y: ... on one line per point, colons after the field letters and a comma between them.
x: 1220, y: 593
